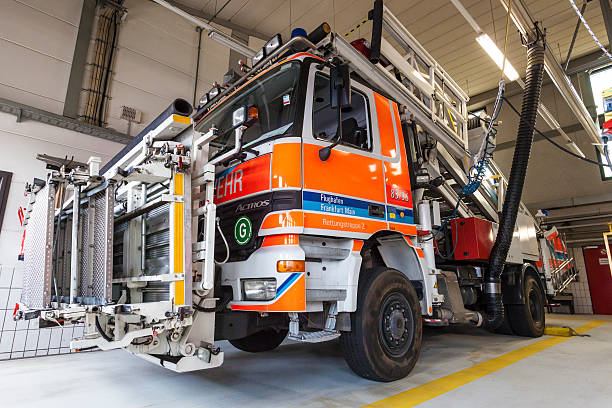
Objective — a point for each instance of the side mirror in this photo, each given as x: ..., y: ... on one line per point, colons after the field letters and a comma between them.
x: 340, y: 86
x: 244, y: 116
x: 339, y: 97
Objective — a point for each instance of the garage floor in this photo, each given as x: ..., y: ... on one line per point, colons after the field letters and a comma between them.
x: 458, y: 368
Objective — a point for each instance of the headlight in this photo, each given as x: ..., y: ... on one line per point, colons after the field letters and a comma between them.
x: 239, y: 116
x: 259, y: 289
x: 245, y: 116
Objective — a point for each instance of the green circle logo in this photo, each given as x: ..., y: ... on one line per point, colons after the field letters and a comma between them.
x: 243, y: 230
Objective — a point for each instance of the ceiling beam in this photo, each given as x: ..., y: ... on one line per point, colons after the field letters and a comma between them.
x: 573, y: 203
x: 524, y: 21
x: 607, y: 17
x: 589, y: 62
x: 551, y: 134
x: 594, y: 60
x: 225, y: 23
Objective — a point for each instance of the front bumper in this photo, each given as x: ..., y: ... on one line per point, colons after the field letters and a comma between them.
x: 290, y: 287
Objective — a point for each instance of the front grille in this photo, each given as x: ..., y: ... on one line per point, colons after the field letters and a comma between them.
x: 255, y: 209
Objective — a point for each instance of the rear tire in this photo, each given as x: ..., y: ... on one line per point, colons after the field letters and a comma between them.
x: 264, y: 340
x: 385, y: 341
x: 529, y: 319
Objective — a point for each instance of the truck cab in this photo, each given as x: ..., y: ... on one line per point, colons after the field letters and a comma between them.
x: 290, y: 219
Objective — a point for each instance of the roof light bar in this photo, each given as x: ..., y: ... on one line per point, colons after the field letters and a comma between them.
x: 259, y: 56
x: 203, y: 100
x: 274, y: 43
x: 214, y: 92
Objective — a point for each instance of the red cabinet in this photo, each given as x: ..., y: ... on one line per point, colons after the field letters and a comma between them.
x: 473, y: 238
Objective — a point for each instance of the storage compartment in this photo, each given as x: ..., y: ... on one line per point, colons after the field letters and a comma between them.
x: 473, y: 238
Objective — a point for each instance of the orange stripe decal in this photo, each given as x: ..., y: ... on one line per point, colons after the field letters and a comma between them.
x: 362, y: 176
x: 357, y: 245
x: 286, y: 169
x: 179, y: 286
x: 282, y: 239
x: 285, y: 219
x: 293, y: 300
x: 337, y: 223
x: 403, y: 228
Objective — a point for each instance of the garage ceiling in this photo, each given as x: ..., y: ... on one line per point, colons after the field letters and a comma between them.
x: 435, y: 23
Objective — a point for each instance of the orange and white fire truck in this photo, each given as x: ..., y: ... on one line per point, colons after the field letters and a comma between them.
x: 332, y: 190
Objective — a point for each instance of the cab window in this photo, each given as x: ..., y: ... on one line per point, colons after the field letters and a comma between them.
x: 355, y: 119
x: 274, y: 94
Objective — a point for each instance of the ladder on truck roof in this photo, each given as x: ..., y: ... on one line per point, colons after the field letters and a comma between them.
x: 416, y: 81
x: 436, y: 102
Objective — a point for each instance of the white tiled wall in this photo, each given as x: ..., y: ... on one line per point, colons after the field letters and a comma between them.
x: 580, y: 289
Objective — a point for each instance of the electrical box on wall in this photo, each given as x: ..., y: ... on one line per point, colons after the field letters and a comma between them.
x: 473, y: 238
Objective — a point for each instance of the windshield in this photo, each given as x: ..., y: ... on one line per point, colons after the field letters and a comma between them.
x: 274, y: 94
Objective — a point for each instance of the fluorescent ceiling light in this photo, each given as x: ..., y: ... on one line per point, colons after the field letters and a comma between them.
x: 496, y: 55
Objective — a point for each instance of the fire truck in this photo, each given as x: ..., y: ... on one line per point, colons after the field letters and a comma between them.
x: 322, y: 194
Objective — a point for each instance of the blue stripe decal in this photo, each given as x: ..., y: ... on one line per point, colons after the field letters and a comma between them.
x: 399, y: 215
x: 292, y: 278
x: 335, y: 204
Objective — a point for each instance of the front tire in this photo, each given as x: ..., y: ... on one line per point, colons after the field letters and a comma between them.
x: 529, y: 319
x: 264, y: 340
x: 386, y: 330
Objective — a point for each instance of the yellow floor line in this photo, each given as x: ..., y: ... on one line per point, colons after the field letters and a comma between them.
x: 432, y: 389
x: 583, y: 319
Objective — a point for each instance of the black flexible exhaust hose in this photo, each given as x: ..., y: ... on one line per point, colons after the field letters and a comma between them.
x: 494, y: 315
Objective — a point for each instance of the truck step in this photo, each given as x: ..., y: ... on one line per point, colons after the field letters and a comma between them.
x: 314, y: 337
x: 435, y: 322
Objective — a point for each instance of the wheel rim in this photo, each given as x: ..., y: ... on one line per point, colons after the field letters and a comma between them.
x: 396, y: 324
x: 535, y: 305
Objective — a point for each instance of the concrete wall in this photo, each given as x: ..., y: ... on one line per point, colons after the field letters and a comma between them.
x: 156, y: 63
x: 37, y: 40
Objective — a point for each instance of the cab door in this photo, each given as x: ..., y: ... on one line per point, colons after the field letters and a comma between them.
x: 344, y: 195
